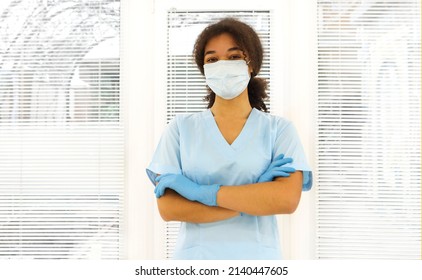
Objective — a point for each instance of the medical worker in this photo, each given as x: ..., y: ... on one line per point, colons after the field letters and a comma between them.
x: 227, y: 171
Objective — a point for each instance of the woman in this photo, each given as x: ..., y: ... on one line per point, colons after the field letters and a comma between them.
x: 223, y: 170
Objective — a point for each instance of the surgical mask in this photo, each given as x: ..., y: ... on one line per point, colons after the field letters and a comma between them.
x: 227, y: 78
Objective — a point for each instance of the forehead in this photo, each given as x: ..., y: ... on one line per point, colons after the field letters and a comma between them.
x: 220, y: 43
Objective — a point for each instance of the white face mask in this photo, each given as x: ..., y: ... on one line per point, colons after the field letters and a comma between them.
x: 227, y: 78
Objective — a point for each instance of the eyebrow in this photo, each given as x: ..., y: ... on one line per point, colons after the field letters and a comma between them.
x: 229, y: 50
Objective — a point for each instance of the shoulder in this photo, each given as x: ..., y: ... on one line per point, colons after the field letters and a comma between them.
x: 276, y: 122
x: 188, y: 121
x: 189, y: 117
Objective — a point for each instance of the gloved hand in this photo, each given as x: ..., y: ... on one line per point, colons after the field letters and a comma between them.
x: 276, y: 169
x: 205, y: 194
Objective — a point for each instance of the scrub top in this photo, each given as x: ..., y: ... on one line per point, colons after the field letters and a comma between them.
x: 193, y: 145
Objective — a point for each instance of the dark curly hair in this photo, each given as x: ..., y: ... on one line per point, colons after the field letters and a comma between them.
x: 247, y: 40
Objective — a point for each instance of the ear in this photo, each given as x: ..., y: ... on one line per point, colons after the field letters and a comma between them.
x: 250, y: 69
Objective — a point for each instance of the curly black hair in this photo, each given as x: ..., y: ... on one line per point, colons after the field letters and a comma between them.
x: 248, y: 40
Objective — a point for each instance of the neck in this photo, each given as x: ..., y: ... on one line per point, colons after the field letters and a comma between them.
x: 236, y: 107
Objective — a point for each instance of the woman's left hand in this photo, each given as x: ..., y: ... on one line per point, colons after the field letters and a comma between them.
x: 277, y: 169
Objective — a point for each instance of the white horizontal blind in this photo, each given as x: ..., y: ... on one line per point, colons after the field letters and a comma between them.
x: 369, y: 119
x: 186, y: 86
x: 61, y: 135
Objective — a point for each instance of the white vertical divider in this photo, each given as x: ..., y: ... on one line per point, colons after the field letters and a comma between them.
x: 137, y: 66
x: 299, y: 78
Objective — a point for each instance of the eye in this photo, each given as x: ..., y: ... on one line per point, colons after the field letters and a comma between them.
x: 235, y: 57
x: 211, y: 59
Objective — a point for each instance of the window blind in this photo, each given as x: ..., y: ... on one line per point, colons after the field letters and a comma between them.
x: 61, y: 135
x: 186, y: 86
x: 368, y: 130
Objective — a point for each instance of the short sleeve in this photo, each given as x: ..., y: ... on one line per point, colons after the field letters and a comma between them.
x: 166, y: 158
x: 287, y: 142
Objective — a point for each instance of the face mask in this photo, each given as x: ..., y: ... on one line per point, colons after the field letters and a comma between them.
x: 227, y: 78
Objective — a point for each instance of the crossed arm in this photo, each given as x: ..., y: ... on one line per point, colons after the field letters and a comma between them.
x: 280, y: 196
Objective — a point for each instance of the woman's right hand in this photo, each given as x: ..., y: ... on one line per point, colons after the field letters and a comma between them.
x: 276, y: 169
x: 205, y: 194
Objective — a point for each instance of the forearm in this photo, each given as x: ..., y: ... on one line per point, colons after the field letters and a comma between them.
x: 174, y: 207
x: 277, y: 197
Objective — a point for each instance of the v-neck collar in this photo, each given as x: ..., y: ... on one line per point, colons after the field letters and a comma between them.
x: 244, y: 136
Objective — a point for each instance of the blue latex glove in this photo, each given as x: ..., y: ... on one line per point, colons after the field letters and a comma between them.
x: 276, y: 169
x: 205, y: 194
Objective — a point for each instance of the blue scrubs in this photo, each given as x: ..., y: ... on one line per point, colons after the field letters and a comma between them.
x: 193, y: 145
